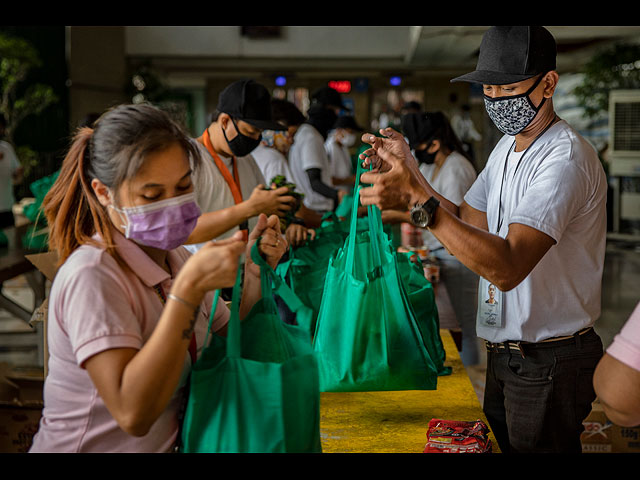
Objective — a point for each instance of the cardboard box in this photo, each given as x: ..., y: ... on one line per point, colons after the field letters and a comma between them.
x: 20, y: 407
x: 603, y: 436
x: 46, y: 263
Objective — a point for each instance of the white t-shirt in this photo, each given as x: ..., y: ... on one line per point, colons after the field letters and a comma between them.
x: 339, y: 159
x: 212, y: 191
x: 560, y: 189
x: 452, y: 181
x: 8, y: 165
x: 271, y: 163
x: 308, y: 152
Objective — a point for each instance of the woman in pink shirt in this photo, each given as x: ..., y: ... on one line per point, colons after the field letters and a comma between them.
x: 617, y: 376
x: 129, y: 307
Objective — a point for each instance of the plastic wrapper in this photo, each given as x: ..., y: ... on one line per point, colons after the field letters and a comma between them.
x: 449, y: 436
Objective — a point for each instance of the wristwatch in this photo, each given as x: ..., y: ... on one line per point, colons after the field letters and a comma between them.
x: 423, y: 214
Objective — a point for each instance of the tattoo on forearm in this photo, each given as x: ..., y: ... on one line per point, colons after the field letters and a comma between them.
x: 187, y: 332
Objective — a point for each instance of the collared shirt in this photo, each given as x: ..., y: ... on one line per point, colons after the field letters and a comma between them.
x: 96, y: 305
x: 559, y: 188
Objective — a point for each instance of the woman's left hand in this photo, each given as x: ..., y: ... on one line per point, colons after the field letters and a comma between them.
x: 272, y: 244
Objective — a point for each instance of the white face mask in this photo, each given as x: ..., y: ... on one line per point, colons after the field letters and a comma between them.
x: 348, y: 139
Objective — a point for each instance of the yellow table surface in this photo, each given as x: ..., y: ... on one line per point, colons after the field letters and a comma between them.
x: 397, y: 422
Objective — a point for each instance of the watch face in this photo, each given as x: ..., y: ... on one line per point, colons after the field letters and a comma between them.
x: 419, y: 217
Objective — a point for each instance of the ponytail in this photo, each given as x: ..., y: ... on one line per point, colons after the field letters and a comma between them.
x: 73, y: 212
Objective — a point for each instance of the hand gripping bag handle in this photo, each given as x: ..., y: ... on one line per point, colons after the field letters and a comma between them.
x: 374, y: 220
x: 271, y: 283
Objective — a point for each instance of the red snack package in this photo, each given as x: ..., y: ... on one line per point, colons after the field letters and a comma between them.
x: 450, y: 436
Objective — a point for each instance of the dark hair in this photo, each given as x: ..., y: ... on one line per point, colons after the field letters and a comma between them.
x: 113, y: 151
x: 286, y: 113
x: 429, y: 126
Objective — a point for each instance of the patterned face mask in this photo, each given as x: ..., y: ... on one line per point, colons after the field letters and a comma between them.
x: 512, y: 114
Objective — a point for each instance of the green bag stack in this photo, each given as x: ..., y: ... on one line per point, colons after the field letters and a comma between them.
x: 306, y: 268
x: 257, y: 391
x: 367, y: 334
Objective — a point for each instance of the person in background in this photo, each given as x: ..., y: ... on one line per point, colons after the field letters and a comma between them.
x: 341, y: 138
x: 534, y: 225
x: 411, y: 107
x: 308, y: 159
x: 446, y: 167
x: 11, y: 173
x: 129, y: 307
x: 465, y: 130
x: 617, y: 377
x: 230, y: 188
x: 271, y: 158
x: 271, y: 154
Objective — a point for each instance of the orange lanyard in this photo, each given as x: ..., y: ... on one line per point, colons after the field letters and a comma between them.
x: 192, y: 344
x: 232, y: 181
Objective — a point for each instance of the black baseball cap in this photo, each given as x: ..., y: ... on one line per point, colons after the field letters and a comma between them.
x: 512, y: 54
x: 329, y: 97
x: 420, y: 127
x: 250, y: 102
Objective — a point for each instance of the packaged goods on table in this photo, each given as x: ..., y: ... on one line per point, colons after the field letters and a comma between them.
x: 450, y: 436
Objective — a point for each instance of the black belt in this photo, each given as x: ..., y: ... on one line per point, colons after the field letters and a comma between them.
x: 517, y: 346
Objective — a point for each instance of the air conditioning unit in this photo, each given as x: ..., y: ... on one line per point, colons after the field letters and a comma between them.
x: 624, y: 156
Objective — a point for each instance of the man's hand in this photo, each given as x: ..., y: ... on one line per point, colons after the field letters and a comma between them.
x: 396, y: 181
x: 271, y: 202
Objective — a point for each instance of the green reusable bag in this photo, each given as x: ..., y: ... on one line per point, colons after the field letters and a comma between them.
x: 423, y: 301
x: 367, y: 337
x: 306, y: 267
x: 257, y: 391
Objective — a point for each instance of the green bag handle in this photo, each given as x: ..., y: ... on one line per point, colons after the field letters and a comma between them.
x: 233, y: 329
x: 268, y: 277
x: 374, y: 218
x: 272, y: 283
x: 214, y: 304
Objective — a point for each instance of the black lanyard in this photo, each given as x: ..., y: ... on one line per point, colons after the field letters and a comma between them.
x: 504, y: 170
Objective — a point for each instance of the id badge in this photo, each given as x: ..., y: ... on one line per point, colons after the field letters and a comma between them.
x: 490, y: 305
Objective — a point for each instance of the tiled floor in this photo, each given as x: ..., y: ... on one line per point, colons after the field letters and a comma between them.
x: 620, y: 294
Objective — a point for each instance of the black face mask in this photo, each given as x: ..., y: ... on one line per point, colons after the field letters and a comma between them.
x: 424, y: 157
x: 241, y: 145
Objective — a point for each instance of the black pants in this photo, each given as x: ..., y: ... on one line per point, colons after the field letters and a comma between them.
x: 536, y: 403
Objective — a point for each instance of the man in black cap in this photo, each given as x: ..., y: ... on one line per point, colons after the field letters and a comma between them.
x: 229, y: 186
x: 534, y: 225
x: 308, y: 159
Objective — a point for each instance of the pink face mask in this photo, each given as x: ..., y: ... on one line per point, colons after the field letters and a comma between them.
x: 165, y: 224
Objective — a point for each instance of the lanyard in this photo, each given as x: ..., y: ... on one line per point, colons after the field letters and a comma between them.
x: 232, y: 181
x: 192, y: 344
x: 504, y: 170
